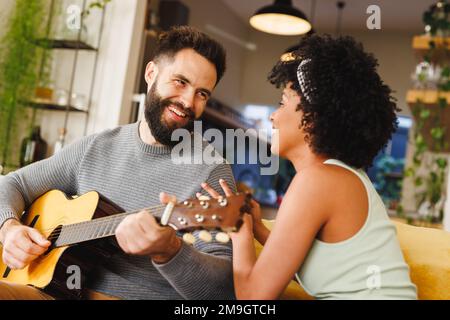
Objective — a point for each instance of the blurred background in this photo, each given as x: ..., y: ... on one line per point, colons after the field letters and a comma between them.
x: 76, y: 67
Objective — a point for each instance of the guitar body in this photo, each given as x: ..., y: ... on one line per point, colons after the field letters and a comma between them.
x: 80, y: 242
x: 50, y: 271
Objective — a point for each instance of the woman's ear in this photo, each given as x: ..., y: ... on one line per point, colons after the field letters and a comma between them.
x: 151, y: 72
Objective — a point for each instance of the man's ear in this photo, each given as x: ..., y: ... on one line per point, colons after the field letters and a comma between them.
x: 151, y: 72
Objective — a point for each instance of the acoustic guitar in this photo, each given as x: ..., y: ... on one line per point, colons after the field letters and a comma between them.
x: 81, y: 231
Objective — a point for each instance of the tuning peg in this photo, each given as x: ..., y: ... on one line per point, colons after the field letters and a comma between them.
x: 199, y: 218
x: 188, y: 204
x: 189, y: 238
x: 204, y: 204
x: 204, y: 198
x: 182, y: 221
x: 223, y: 202
x: 205, y: 236
x: 222, y: 237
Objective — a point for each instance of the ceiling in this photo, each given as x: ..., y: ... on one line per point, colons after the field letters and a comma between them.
x: 396, y: 15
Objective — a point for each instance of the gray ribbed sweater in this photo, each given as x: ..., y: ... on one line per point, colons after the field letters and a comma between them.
x: 120, y: 166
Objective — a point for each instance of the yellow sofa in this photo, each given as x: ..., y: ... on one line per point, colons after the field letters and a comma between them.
x: 426, y: 251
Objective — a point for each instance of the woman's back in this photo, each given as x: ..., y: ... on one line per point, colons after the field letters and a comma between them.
x: 361, y: 259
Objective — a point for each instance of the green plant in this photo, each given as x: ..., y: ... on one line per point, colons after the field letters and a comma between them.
x: 429, y: 152
x: 436, y: 18
x: 19, y: 71
x: 99, y: 4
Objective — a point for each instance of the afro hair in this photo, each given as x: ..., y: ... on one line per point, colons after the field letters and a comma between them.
x: 351, y: 114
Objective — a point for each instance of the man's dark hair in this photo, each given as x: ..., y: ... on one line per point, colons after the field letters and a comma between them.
x: 184, y: 37
x: 348, y: 112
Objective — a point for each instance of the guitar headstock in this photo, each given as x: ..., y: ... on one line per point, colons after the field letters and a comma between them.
x: 223, y: 214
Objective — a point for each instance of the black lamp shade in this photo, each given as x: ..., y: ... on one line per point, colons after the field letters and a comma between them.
x: 281, y: 18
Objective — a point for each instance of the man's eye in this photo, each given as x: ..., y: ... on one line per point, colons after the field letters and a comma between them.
x: 180, y: 82
x: 203, y: 95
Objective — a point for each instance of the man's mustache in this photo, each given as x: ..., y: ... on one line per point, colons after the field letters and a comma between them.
x: 188, y: 111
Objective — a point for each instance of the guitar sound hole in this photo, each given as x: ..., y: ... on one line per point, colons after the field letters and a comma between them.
x: 53, y: 237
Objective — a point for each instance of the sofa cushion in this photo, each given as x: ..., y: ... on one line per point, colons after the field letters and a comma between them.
x: 427, y: 252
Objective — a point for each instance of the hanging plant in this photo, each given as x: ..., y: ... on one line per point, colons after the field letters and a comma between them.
x: 436, y: 18
x: 430, y: 133
x: 19, y: 72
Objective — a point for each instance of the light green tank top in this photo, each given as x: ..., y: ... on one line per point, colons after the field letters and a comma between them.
x: 369, y: 265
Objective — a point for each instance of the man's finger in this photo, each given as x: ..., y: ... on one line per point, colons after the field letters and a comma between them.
x: 38, y: 238
x: 14, y: 263
x: 166, y: 198
x: 30, y: 248
x: 20, y: 254
x: 147, y: 223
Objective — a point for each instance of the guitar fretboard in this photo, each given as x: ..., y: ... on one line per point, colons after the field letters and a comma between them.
x: 94, y: 229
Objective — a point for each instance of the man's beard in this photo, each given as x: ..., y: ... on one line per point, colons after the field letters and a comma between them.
x: 154, y: 109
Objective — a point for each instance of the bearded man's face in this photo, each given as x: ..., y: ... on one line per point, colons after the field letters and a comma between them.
x: 155, y: 110
x: 179, y: 91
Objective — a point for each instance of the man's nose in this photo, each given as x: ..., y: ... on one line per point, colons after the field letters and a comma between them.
x: 188, y: 99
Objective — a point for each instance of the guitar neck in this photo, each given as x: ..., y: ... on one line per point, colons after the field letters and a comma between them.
x: 222, y: 214
x: 94, y: 229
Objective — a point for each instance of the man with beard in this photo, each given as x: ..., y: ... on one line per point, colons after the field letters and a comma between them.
x: 131, y: 165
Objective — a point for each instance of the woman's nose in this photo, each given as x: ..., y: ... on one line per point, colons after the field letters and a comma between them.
x: 271, y: 117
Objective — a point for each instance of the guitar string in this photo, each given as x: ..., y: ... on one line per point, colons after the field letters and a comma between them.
x: 95, y: 234
x: 114, y: 215
x: 111, y: 220
x: 94, y: 224
x: 108, y: 221
x: 117, y: 214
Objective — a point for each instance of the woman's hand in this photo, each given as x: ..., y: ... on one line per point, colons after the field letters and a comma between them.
x: 254, y: 219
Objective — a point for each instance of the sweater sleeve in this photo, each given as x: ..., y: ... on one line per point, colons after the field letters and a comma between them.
x: 205, y: 270
x: 20, y: 188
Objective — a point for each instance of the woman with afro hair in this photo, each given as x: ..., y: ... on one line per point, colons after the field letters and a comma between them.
x: 332, y: 231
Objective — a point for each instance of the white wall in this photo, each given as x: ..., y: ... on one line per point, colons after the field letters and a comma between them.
x: 392, y: 49
x: 215, y: 13
x: 5, y: 8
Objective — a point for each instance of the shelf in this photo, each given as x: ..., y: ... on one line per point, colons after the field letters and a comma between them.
x: 52, y: 107
x: 421, y: 45
x: 63, y: 44
x: 429, y: 97
x: 394, y: 175
x: 423, y: 42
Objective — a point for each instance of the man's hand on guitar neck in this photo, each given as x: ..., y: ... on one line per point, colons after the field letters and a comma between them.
x: 21, y: 244
x: 140, y: 234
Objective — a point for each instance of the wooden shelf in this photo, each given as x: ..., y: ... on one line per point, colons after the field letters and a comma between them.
x: 421, y: 45
x: 429, y: 97
x: 394, y: 175
x: 63, y: 44
x: 423, y: 42
x: 52, y: 107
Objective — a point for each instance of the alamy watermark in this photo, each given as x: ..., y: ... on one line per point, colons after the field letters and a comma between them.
x: 191, y: 149
x: 73, y: 20
x: 374, y: 20
x: 73, y: 281
x: 374, y: 279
